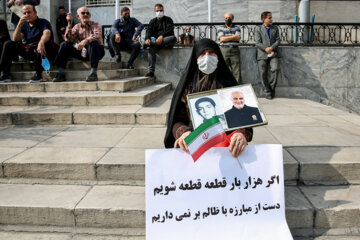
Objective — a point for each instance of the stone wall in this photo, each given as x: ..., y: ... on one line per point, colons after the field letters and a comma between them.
x: 244, y: 11
x: 328, y: 75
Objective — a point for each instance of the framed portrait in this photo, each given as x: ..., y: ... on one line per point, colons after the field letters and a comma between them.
x: 236, y: 107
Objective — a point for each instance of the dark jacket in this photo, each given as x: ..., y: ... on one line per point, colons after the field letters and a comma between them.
x: 127, y: 29
x: 163, y: 27
x: 263, y: 41
x: 246, y: 116
x: 61, y: 22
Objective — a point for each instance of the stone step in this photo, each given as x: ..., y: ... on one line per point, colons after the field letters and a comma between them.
x: 71, y: 65
x: 153, y: 114
x: 121, y: 85
x: 116, y: 206
x: 27, y: 154
x: 72, y: 235
x: 81, y: 74
x: 140, y: 96
x: 125, y: 161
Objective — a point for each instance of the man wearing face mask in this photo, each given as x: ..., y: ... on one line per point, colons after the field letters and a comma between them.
x: 160, y: 34
x: 240, y: 114
x: 123, y: 36
x: 186, y: 38
x: 229, y: 37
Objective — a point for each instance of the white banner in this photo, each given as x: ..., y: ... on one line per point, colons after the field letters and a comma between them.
x: 216, y: 197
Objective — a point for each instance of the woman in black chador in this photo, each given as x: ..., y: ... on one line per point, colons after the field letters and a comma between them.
x: 206, y: 70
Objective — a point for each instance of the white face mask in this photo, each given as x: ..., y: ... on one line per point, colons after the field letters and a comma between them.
x: 207, y: 64
x: 159, y: 14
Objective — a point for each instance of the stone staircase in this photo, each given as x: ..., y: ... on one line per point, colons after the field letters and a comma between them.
x: 72, y: 158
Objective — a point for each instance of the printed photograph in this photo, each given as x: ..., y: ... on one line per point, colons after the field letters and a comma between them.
x: 236, y: 107
x: 203, y: 108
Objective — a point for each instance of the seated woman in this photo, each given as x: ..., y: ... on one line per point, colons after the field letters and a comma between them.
x: 206, y: 70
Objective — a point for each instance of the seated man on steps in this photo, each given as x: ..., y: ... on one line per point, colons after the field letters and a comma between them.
x: 33, y: 40
x: 159, y: 34
x: 89, y: 46
x: 123, y: 36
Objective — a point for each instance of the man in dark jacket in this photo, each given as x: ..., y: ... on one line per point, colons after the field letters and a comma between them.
x: 61, y: 24
x: 160, y: 33
x: 240, y: 114
x: 14, y: 18
x: 123, y: 36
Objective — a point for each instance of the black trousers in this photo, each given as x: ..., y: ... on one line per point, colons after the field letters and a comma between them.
x: 95, y: 52
x: 126, y: 45
x: 168, y: 42
x: 11, y: 50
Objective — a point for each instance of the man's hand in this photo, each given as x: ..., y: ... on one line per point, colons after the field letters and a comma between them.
x: 62, y: 29
x: 181, y: 141
x: 268, y: 50
x: 22, y: 20
x: 134, y: 38
x: 159, y: 40
x: 117, y: 38
x: 69, y: 18
x: 81, y: 44
x: 11, y: 3
x: 237, y: 144
x: 147, y: 41
x: 41, y: 48
x: 19, y: 2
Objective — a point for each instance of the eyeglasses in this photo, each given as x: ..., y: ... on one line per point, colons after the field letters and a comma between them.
x: 83, y: 13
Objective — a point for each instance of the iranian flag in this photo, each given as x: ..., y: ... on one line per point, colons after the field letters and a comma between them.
x: 204, y: 137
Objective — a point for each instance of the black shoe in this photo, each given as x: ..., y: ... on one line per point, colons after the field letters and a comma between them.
x: 5, y: 79
x: 60, y: 77
x: 149, y: 74
x: 268, y: 97
x: 92, y: 77
x: 130, y: 66
x: 273, y: 93
x: 36, y: 78
x: 118, y: 58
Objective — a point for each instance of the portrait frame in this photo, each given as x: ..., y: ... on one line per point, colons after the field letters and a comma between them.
x: 250, y: 115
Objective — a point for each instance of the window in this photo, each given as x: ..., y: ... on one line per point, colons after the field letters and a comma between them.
x: 97, y: 3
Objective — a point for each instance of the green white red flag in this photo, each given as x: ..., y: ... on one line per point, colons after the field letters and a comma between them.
x: 204, y: 137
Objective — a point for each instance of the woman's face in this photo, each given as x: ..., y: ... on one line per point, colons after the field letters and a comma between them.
x: 209, y: 52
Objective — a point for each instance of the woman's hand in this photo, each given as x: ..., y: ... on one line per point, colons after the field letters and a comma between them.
x: 237, y: 144
x: 181, y: 141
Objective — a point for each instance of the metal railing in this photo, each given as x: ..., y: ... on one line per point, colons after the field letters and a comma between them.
x: 100, y: 3
x: 291, y: 34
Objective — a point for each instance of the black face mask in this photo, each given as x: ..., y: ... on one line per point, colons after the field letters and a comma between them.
x: 126, y: 17
x: 228, y: 21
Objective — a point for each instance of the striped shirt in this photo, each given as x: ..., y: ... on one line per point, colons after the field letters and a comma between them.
x: 91, y: 32
x: 224, y: 31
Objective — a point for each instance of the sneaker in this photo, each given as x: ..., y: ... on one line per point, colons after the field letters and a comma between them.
x: 118, y: 58
x: 36, y: 78
x: 92, y: 77
x: 149, y: 74
x: 5, y: 79
x: 130, y: 66
x: 60, y: 77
